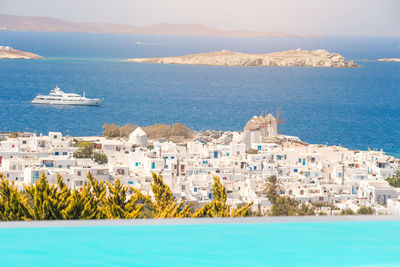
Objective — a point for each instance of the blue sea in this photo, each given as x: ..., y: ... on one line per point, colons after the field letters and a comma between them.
x: 357, y: 108
x: 274, y: 244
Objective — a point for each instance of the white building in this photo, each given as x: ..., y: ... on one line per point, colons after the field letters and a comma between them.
x: 138, y: 137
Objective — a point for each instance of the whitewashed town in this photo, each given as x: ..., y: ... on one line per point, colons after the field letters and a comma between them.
x: 309, y: 173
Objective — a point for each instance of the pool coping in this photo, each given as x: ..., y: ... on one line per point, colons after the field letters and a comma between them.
x: 197, y: 221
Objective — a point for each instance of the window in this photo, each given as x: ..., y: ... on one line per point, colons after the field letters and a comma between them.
x: 195, y: 189
x: 64, y: 153
x: 79, y: 173
x: 57, y: 153
x: 295, y: 170
x: 24, y: 142
x: 153, y: 165
x: 130, y: 182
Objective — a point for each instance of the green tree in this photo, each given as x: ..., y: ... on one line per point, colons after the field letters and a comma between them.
x: 116, y: 204
x: 218, y: 206
x: 164, y: 204
x: 364, y: 210
x: 100, y: 158
x: 284, y: 205
x: 395, y: 179
x: 111, y: 130
x: 13, y: 204
x: 347, y: 212
x: 84, y: 151
x: 48, y: 202
x: 179, y: 129
x: 158, y: 131
x: 272, y: 188
x: 82, y: 205
x: 13, y: 135
x: 98, y: 191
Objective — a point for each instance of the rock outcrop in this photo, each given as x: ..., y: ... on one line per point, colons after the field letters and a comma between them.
x: 389, y: 59
x: 290, y: 58
x: 7, y: 52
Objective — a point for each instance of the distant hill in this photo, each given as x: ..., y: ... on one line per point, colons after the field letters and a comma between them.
x: 290, y: 58
x: 47, y: 24
x: 7, y: 52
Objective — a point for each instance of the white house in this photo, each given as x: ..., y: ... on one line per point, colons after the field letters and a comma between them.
x: 138, y: 137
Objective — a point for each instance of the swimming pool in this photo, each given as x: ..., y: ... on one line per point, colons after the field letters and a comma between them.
x: 338, y: 243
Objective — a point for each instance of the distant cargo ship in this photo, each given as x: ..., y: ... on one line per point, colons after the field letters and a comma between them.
x: 58, y: 97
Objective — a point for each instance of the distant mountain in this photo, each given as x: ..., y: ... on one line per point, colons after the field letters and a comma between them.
x: 47, y: 24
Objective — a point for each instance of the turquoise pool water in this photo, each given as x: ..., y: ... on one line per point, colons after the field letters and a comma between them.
x: 276, y: 244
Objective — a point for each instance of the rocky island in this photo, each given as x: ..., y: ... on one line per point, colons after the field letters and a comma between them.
x: 290, y: 58
x: 389, y: 59
x: 7, y: 52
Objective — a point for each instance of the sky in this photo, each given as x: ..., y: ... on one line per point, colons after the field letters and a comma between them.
x: 326, y: 17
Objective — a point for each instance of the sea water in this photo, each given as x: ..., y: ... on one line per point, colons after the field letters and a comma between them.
x: 358, y: 108
x: 274, y: 244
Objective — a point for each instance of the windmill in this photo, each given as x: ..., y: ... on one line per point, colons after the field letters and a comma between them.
x: 270, y: 124
x: 278, y: 121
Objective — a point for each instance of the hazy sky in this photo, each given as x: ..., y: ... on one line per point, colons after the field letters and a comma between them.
x: 331, y: 17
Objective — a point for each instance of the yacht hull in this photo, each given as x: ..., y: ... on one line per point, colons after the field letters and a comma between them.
x: 88, y: 102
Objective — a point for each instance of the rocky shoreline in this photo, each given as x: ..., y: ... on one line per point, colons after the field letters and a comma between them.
x: 290, y: 58
x: 7, y: 52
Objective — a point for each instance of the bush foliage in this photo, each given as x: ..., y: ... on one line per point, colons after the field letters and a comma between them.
x: 155, y: 131
x: 45, y: 201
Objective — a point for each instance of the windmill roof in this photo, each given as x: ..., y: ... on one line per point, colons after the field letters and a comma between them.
x: 138, y: 132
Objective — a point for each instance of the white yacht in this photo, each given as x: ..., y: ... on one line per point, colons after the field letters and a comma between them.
x: 58, y: 97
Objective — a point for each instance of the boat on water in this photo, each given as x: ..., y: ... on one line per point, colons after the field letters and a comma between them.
x: 58, y: 97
